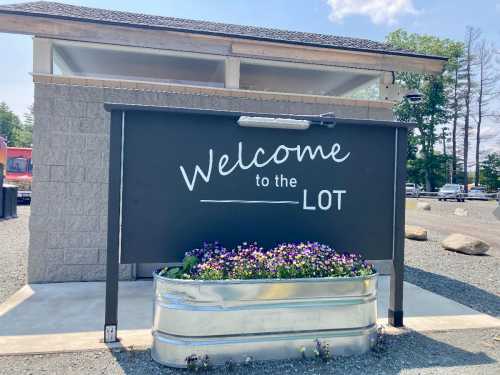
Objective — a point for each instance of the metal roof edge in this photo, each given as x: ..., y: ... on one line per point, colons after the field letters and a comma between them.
x: 221, y: 34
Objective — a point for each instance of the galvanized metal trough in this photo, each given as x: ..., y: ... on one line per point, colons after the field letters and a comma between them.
x: 234, y: 320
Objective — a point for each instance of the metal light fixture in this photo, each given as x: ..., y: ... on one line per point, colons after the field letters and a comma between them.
x: 414, y: 96
x: 273, y: 123
x: 325, y: 119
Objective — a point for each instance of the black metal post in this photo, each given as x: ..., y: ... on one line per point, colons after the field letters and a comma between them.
x: 114, y: 214
x: 395, y: 313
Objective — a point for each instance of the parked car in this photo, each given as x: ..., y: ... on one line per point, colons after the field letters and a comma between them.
x: 412, y: 190
x: 452, y: 191
x: 478, y: 192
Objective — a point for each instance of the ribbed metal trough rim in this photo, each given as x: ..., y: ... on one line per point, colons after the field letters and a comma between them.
x: 262, y: 281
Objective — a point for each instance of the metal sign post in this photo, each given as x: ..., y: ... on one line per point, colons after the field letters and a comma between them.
x: 300, y: 178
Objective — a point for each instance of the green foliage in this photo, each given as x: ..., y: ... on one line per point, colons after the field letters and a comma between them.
x: 434, y: 109
x: 188, y: 263
x: 490, y: 175
x: 18, y: 133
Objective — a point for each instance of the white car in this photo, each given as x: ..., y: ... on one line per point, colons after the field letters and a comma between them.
x: 478, y: 192
x: 452, y: 191
x: 412, y: 190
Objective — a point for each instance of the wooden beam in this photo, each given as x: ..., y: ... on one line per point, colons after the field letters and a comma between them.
x: 232, y: 73
x: 388, y: 88
x: 42, y: 56
x: 112, y: 34
x: 216, y: 45
x: 353, y: 59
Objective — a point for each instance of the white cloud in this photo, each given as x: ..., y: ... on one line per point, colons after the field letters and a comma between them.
x: 379, y: 11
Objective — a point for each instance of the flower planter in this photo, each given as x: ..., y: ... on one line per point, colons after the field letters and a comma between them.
x: 234, y: 320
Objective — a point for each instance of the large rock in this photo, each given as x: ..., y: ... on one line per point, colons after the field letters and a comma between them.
x: 426, y: 206
x: 413, y: 232
x: 459, y: 211
x: 465, y: 244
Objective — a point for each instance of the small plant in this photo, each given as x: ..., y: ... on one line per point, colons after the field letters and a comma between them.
x: 229, y: 366
x: 380, y: 345
x: 322, y: 351
x: 248, y: 360
x: 197, y: 363
x: 303, y: 352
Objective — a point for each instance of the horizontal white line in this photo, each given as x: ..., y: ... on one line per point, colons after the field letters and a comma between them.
x: 246, y: 202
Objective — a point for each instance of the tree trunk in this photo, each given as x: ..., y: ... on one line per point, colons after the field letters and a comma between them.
x: 468, y: 94
x: 454, y: 131
x: 478, y: 141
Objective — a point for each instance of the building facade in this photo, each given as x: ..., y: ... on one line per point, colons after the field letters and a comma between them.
x: 85, y: 57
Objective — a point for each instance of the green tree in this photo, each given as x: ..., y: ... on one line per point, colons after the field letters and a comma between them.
x: 435, y: 109
x: 16, y: 132
x: 10, y: 125
x: 490, y: 174
x: 25, y: 135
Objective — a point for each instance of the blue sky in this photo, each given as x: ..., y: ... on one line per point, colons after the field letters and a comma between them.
x: 371, y: 19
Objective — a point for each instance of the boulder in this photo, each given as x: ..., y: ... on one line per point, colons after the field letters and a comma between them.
x: 459, y: 211
x: 465, y: 244
x: 413, y: 232
x: 426, y: 206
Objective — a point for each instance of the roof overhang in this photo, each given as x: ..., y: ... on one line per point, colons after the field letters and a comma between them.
x: 212, y: 43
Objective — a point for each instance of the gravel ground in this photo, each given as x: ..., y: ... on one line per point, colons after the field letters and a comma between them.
x: 454, y: 353
x: 473, y: 281
x: 470, y: 280
x: 477, y: 210
x: 13, y: 252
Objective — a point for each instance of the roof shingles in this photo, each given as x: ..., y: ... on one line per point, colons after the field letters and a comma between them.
x: 79, y: 13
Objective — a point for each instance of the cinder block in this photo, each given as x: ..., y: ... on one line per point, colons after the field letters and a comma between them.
x: 73, y: 206
x: 125, y: 96
x: 51, y: 256
x: 58, y: 240
x: 58, y: 273
x: 81, y: 256
x: 64, y: 124
x: 95, y: 142
x: 98, y: 272
x: 81, y: 223
x: 38, y: 239
x: 95, y: 111
x: 40, y: 172
x: 92, y: 125
x: 64, y: 106
x: 103, y: 222
x: 74, y: 173
x: 85, y: 94
x: 102, y: 256
x: 41, y: 123
x: 95, y: 272
x: 57, y: 173
x: 96, y: 174
x: 43, y: 106
x: 126, y: 272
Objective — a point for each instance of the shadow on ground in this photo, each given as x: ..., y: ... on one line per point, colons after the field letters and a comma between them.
x: 461, y: 292
x: 395, y: 353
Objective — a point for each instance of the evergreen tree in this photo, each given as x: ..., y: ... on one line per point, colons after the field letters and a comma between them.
x: 436, y: 107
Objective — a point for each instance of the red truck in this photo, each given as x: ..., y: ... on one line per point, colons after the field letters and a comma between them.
x: 19, y: 171
x: 3, y: 154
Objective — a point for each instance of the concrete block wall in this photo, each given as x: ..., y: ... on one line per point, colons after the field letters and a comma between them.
x: 68, y: 225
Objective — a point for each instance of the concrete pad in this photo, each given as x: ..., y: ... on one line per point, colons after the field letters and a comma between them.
x: 45, y: 318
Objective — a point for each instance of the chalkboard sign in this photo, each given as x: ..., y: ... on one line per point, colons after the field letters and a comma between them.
x: 194, y: 177
x: 179, y: 177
